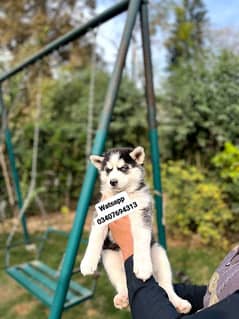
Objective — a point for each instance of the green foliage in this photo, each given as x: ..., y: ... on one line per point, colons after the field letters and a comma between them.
x: 226, y: 163
x: 194, y: 206
x: 186, y: 39
x: 201, y: 108
x: 129, y: 122
x: 29, y: 27
x: 186, y: 110
x: 63, y: 130
x: 199, y: 104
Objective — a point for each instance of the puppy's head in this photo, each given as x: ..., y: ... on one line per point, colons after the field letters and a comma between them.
x: 121, y: 169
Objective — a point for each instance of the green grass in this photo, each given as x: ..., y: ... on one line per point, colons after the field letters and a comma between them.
x: 197, y: 263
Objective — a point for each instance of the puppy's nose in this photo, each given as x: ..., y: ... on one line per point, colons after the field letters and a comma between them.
x: 113, y: 182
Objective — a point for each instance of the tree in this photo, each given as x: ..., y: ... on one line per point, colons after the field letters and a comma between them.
x: 29, y: 25
x: 201, y: 105
x: 63, y: 131
x: 187, y: 36
x: 63, y: 122
x: 129, y: 122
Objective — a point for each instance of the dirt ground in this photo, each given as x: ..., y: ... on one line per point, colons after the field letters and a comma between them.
x: 62, y: 221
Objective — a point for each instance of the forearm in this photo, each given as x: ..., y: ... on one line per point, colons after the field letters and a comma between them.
x: 149, y: 301
x: 193, y: 293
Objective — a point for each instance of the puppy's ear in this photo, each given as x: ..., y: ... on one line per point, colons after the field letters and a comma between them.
x: 97, y: 161
x: 138, y: 155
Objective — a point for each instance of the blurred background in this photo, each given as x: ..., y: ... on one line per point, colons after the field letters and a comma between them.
x: 195, y: 51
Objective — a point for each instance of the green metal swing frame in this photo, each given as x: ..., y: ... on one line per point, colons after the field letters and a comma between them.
x: 41, y: 280
x: 59, y: 291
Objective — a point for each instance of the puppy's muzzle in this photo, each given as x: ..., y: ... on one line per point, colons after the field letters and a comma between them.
x: 113, y: 182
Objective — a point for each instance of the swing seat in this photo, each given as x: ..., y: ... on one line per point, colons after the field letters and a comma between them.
x: 41, y: 281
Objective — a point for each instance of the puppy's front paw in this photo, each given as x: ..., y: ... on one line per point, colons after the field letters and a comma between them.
x: 143, y: 269
x: 183, y: 306
x: 88, y: 266
x: 121, y: 301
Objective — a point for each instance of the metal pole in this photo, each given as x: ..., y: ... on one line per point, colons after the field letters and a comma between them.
x: 152, y: 122
x: 91, y: 174
x: 13, y: 167
x: 69, y: 37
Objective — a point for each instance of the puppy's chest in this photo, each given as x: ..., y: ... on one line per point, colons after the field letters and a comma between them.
x: 141, y: 216
x: 142, y: 199
x: 143, y: 211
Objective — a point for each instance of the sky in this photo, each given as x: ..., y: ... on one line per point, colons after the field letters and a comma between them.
x: 222, y: 14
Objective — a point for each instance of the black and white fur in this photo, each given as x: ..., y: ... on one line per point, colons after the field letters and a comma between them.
x: 122, y: 169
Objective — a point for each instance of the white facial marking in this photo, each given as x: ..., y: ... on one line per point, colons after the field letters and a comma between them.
x: 109, y: 166
x: 114, y: 159
x: 114, y: 180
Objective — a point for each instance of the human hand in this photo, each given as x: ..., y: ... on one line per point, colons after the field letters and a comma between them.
x: 121, y: 233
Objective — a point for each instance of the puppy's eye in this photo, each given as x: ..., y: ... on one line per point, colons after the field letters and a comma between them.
x: 124, y: 168
x: 108, y: 170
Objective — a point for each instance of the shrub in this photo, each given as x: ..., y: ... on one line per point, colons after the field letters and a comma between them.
x: 227, y: 172
x: 227, y: 162
x: 194, y: 205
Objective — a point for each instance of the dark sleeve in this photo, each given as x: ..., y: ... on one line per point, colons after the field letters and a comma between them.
x: 194, y: 294
x: 149, y: 301
x: 225, y: 309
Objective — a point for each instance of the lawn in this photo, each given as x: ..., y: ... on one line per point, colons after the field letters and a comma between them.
x: 191, y: 263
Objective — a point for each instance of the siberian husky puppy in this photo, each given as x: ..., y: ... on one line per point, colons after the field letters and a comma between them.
x: 121, y: 169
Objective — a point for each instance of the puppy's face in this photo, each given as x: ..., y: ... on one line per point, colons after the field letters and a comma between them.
x: 120, y: 169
